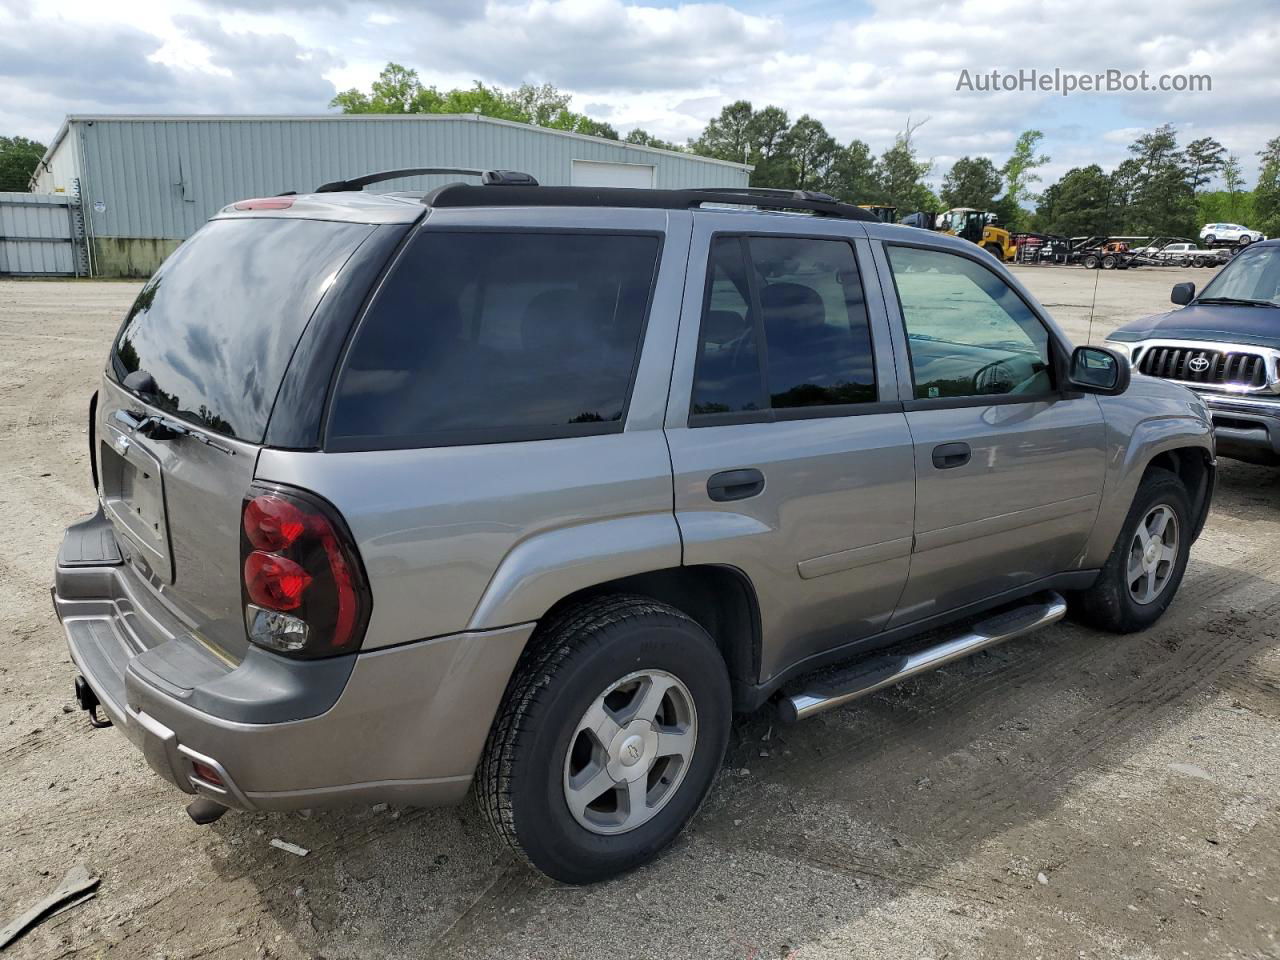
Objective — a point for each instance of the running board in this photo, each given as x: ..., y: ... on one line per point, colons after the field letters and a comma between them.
x: 868, y: 676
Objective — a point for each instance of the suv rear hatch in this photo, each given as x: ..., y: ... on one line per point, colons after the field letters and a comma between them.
x: 187, y: 396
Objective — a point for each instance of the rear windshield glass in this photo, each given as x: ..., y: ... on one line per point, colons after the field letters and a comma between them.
x: 216, y: 325
x: 483, y: 337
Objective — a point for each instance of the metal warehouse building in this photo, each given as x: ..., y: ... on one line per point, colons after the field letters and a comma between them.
x: 146, y: 183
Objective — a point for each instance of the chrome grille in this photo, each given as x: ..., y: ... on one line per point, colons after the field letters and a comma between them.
x: 1193, y: 365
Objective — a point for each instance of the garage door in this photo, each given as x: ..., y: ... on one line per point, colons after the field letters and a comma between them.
x: 596, y: 173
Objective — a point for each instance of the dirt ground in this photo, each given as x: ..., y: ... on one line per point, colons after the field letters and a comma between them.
x: 1070, y: 794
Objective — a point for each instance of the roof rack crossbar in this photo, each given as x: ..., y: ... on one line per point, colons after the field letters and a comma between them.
x: 359, y: 183
x: 469, y: 195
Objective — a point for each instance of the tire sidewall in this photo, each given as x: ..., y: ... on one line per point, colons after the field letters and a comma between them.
x: 550, y: 836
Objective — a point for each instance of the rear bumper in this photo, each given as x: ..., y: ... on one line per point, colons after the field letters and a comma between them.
x: 1245, y: 428
x: 402, y: 724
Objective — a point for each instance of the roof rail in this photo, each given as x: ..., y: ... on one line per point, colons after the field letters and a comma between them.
x: 488, y: 177
x: 470, y: 195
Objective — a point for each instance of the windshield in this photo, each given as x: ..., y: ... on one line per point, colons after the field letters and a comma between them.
x: 216, y: 325
x: 1252, y: 275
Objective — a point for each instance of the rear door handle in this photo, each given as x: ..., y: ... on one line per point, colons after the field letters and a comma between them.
x: 735, y: 484
x: 948, y: 455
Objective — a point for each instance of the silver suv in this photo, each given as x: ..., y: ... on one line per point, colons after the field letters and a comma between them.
x: 531, y: 488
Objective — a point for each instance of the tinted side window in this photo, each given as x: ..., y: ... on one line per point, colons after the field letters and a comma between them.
x: 814, y: 320
x: 485, y: 337
x: 727, y: 379
x: 968, y: 332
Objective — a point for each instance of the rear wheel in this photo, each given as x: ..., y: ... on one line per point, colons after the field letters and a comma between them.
x: 1210, y: 240
x: 1140, y: 578
x: 1091, y: 262
x: 1109, y: 262
x: 1198, y: 262
x: 609, y: 737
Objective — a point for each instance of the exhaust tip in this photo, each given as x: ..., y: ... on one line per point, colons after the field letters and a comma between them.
x: 205, y: 811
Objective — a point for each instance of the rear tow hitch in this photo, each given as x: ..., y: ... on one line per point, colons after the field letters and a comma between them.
x: 89, y: 702
x: 204, y: 811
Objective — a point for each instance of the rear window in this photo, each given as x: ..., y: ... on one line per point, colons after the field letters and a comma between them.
x: 216, y: 325
x: 483, y: 337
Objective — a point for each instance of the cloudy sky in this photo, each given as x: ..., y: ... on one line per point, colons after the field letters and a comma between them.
x: 860, y: 66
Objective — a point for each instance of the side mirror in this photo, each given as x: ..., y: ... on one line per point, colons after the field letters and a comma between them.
x: 1183, y: 293
x: 1098, y: 370
x: 141, y: 383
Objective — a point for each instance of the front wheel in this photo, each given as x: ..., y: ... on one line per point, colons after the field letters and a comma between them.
x: 1140, y: 578
x: 1210, y: 240
x: 611, y: 733
x: 1246, y: 240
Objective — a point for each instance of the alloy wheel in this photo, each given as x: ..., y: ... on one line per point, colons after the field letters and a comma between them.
x: 1153, y: 554
x: 630, y: 752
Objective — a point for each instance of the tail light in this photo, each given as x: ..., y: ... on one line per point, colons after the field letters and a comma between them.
x: 304, y: 590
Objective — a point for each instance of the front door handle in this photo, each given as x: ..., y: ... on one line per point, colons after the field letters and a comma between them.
x: 948, y: 455
x: 735, y: 484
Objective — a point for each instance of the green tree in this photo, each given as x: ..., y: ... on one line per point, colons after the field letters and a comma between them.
x: 727, y: 137
x: 1204, y: 158
x: 767, y: 138
x: 1161, y: 200
x: 1019, y: 173
x: 19, y: 158
x: 1266, y: 195
x: 852, y: 175
x: 971, y: 182
x: 398, y: 90
x: 811, y: 150
x: 1233, y: 177
x: 901, y: 175
x: 1079, y: 204
x: 643, y: 138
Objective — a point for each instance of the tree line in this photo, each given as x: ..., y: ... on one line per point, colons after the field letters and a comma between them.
x: 1159, y: 189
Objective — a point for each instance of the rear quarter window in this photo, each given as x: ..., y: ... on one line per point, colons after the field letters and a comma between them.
x: 490, y: 336
x: 218, y: 322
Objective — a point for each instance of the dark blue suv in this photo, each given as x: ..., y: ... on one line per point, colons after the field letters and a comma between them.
x: 1225, y: 345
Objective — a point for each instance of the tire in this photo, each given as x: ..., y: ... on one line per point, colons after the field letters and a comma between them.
x: 1091, y: 262
x: 1245, y: 240
x: 995, y: 251
x: 540, y: 744
x: 1184, y: 261
x: 1110, y: 604
x: 1109, y: 262
x: 1210, y: 240
x: 1198, y: 262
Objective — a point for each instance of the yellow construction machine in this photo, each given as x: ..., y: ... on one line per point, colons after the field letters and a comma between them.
x: 976, y: 227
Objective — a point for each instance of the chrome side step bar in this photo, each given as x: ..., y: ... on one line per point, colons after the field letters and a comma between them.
x: 869, y: 676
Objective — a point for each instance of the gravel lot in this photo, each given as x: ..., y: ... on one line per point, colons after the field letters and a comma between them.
x: 1070, y: 794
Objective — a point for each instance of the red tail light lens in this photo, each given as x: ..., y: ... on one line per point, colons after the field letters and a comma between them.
x: 274, y: 582
x: 273, y: 523
x: 304, y: 589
